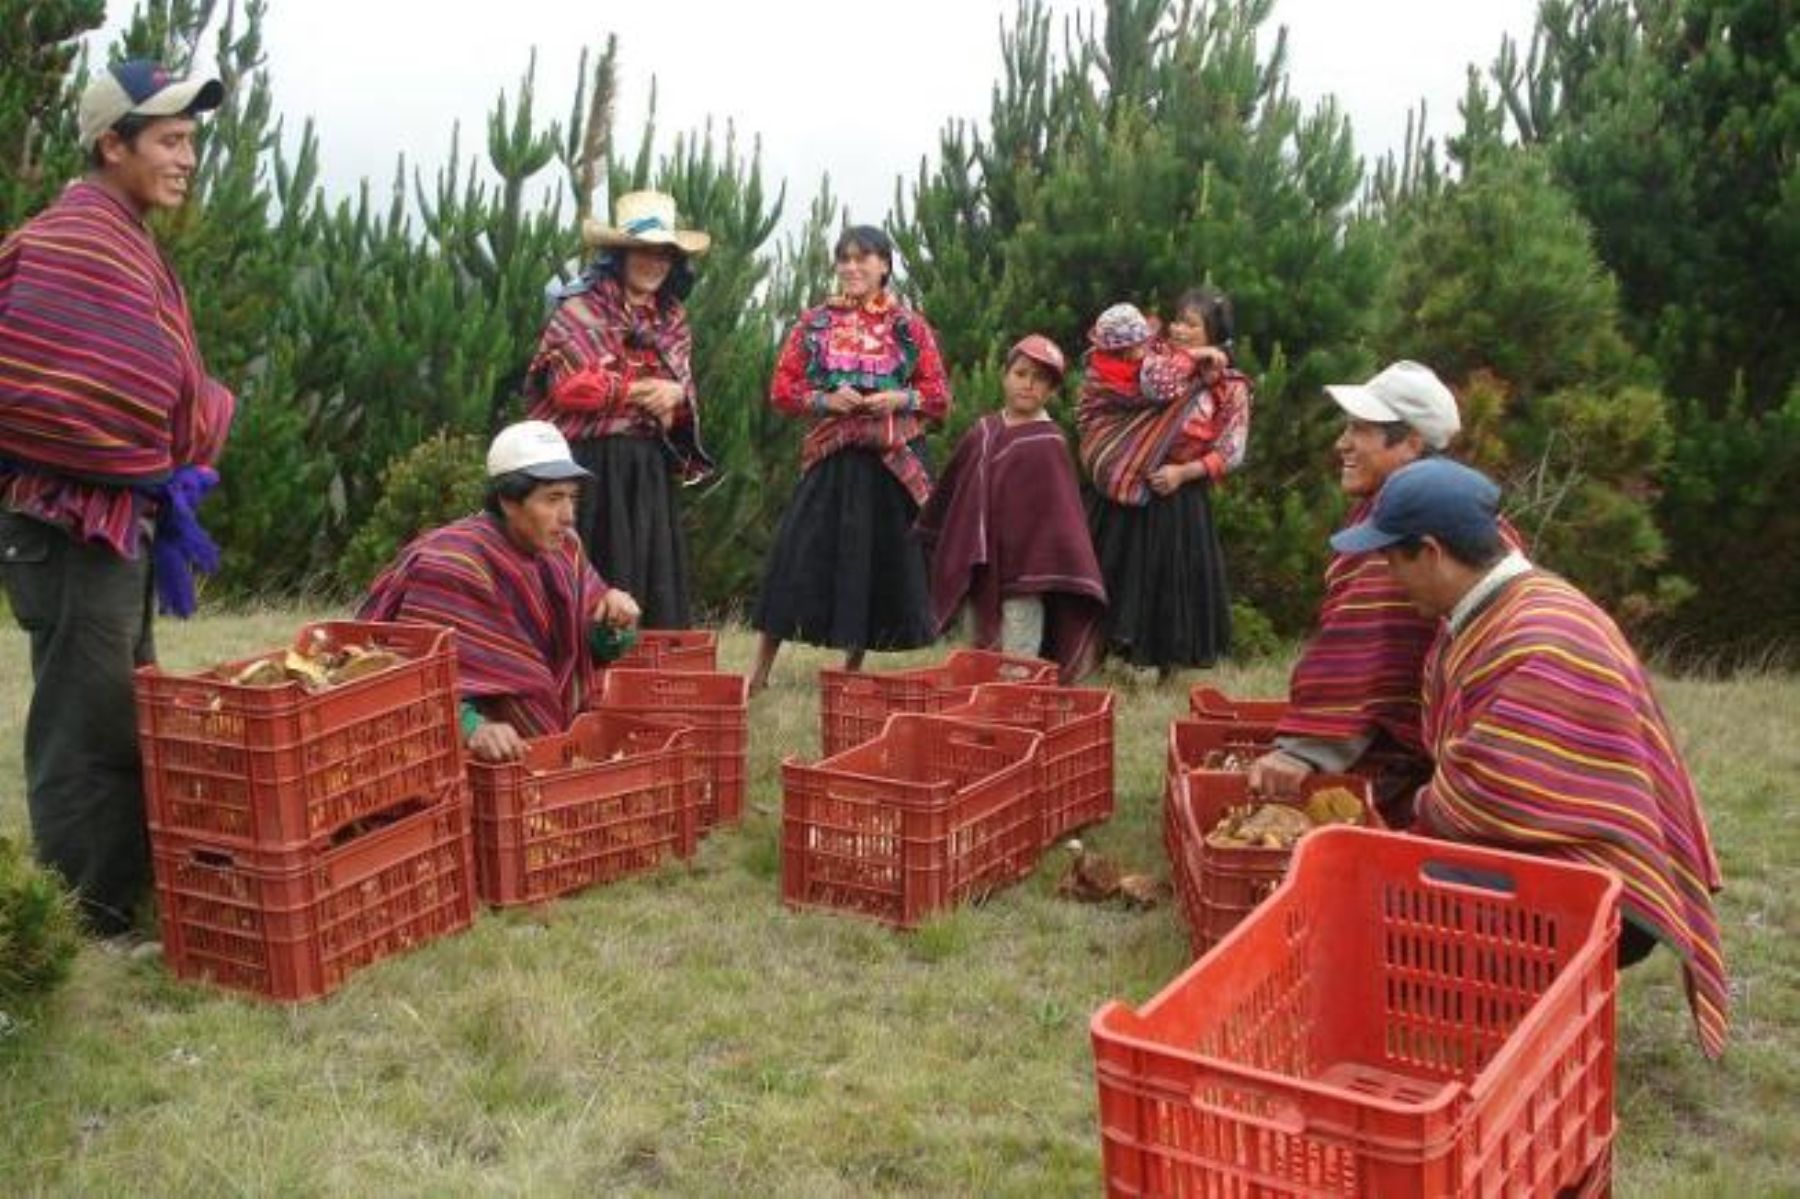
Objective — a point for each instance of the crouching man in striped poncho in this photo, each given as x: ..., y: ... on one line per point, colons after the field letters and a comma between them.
x: 1542, y: 726
x: 108, y: 426
x: 531, y: 615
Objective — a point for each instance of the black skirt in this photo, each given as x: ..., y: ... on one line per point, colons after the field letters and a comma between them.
x: 846, y: 570
x: 630, y: 525
x: 1165, y: 579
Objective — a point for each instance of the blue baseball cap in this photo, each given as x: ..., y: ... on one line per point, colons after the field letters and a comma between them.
x: 140, y: 87
x: 1433, y: 497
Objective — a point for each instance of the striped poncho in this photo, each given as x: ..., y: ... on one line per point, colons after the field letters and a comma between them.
x: 1359, y: 674
x: 1547, y: 739
x: 521, y: 619
x: 595, y: 346
x: 102, y: 389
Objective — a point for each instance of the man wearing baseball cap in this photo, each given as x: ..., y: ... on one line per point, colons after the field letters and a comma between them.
x: 1353, y: 697
x: 109, y: 424
x: 1542, y: 725
x: 532, y: 616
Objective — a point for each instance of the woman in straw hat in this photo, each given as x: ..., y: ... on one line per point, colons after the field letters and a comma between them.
x: 863, y: 371
x: 613, y: 373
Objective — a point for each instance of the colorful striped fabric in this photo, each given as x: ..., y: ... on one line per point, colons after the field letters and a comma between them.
x: 1548, y: 739
x: 594, y: 347
x: 877, y: 346
x: 521, y: 619
x: 1127, y: 429
x: 102, y: 388
x: 1359, y: 675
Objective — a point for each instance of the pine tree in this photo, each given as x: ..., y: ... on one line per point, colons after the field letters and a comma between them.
x: 39, y: 86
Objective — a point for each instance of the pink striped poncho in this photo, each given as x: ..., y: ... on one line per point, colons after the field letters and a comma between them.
x: 521, y: 619
x: 1548, y: 739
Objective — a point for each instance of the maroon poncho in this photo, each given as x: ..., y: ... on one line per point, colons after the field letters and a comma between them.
x: 1006, y: 520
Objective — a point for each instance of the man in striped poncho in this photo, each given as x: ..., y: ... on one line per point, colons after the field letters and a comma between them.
x: 1542, y: 725
x: 1355, y: 688
x: 531, y: 615
x: 108, y: 424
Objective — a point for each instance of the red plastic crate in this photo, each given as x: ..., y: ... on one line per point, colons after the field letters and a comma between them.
x: 1229, y: 882
x: 278, y: 767
x: 672, y: 649
x: 1207, y: 743
x: 1212, y: 704
x: 612, y: 797
x: 715, y: 706
x: 932, y: 813
x: 854, y: 704
x: 1403, y: 1018
x: 1076, y: 773
x: 293, y: 924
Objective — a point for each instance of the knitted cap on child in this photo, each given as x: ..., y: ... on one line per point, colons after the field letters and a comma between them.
x: 1119, y: 328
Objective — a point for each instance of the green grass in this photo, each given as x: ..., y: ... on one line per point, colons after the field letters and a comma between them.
x: 687, y: 1034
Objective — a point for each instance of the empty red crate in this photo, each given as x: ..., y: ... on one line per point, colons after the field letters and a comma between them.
x: 715, y: 706
x: 1403, y: 1018
x: 854, y: 705
x: 932, y: 813
x: 293, y: 924
x: 282, y: 767
x: 612, y: 797
x: 1229, y: 881
x: 672, y: 649
x: 1076, y: 772
x: 1213, y: 704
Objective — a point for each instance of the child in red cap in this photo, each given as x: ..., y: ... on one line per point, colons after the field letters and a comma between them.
x: 1004, y: 527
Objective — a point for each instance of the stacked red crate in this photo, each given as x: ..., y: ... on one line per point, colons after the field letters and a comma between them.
x: 716, y: 706
x: 297, y: 835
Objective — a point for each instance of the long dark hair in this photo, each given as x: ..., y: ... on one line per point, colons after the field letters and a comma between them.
x: 1215, y: 311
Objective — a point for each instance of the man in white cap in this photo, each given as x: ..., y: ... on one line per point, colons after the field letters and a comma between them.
x: 531, y: 615
x: 108, y: 426
x: 1355, y: 688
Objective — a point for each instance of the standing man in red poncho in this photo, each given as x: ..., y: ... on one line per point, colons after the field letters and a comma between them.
x: 1355, y: 688
x: 108, y: 426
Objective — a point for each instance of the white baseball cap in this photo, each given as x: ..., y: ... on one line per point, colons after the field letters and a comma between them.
x: 142, y: 88
x: 535, y: 448
x: 1406, y: 392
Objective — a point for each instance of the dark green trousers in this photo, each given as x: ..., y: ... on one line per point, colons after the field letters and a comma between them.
x: 87, y: 611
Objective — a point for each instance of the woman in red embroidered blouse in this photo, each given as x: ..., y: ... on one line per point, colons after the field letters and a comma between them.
x: 864, y: 371
x: 613, y: 373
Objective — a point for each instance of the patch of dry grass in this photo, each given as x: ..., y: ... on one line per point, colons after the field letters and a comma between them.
x: 685, y: 1033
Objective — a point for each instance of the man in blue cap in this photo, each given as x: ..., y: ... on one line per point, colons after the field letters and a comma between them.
x: 1543, y: 730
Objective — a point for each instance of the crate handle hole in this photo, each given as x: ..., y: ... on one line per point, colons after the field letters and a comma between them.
x: 1454, y: 875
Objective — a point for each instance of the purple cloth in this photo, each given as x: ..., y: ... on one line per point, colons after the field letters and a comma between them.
x: 181, y: 546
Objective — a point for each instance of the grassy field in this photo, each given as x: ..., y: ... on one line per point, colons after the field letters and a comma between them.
x: 687, y: 1034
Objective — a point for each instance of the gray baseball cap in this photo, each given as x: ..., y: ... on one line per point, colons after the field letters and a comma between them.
x: 1407, y: 392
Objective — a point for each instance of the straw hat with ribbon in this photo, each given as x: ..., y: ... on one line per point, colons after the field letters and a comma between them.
x: 643, y: 219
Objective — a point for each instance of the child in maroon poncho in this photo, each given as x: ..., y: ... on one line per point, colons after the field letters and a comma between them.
x: 1005, y: 532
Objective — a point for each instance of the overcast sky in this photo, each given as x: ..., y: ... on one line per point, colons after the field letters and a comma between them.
x: 858, y: 88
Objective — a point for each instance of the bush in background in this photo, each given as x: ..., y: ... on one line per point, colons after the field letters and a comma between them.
x: 39, y: 933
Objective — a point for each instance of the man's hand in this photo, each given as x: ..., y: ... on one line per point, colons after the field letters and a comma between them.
x: 1278, y: 775
x: 617, y: 608
x: 496, y: 741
